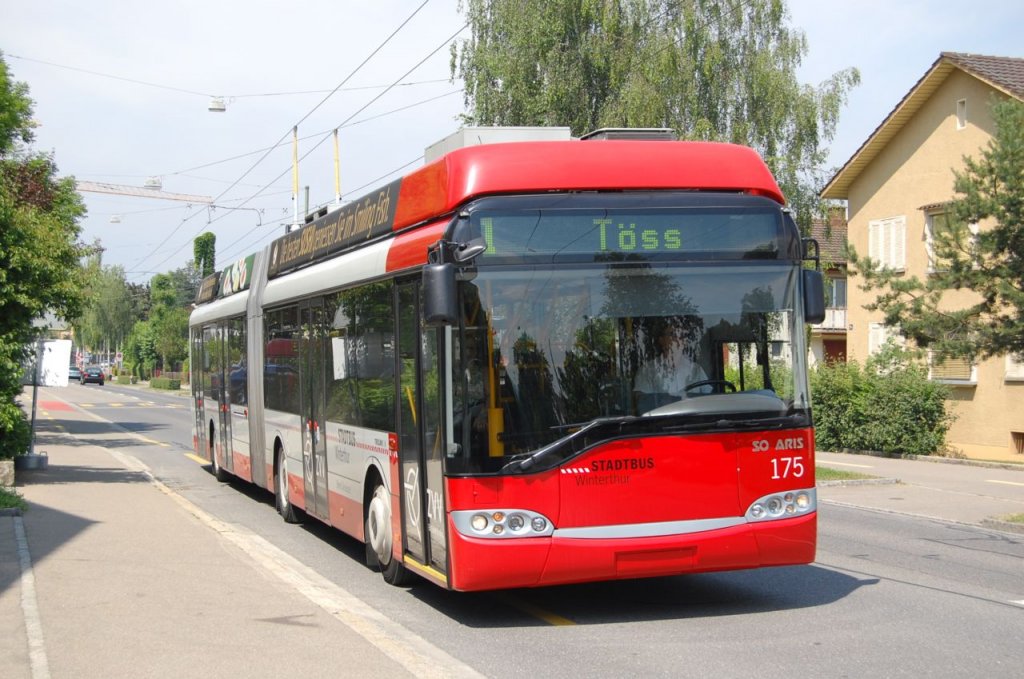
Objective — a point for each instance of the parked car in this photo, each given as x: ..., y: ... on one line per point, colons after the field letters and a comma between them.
x: 74, y: 374
x: 93, y: 374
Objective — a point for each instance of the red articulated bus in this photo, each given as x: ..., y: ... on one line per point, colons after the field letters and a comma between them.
x: 529, y: 364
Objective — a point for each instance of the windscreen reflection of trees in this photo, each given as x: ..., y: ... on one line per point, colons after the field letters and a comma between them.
x: 597, y: 377
x: 750, y: 365
x: 639, y: 309
x: 361, y: 377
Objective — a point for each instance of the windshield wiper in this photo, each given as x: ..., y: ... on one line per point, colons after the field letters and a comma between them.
x: 582, y: 428
x: 670, y: 423
x: 749, y: 423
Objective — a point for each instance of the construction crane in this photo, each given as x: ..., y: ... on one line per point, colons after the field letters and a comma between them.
x: 153, y: 188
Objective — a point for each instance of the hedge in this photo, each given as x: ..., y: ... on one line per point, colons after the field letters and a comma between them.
x: 165, y: 383
x: 889, y: 406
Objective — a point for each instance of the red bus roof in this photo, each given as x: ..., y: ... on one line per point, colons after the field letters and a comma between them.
x: 529, y: 167
x: 523, y: 167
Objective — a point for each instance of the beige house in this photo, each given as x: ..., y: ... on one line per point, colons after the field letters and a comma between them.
x: 896, y: 186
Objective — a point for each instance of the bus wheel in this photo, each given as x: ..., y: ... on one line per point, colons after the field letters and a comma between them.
x: 378, y: 539
x: 218, y: 471
x: 284, y: 506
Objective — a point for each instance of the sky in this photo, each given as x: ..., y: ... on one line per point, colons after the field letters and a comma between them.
x: 122, y: 91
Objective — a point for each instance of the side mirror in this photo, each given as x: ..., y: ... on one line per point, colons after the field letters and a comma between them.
x: 814, y: 296
x: 440, y: 302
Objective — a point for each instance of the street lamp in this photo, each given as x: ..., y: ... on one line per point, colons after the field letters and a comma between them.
x: 217, y: 105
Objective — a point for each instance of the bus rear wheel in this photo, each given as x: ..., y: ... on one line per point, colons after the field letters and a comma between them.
x: 281, y: 500
x: 218, y: 471
x: 378, y: 539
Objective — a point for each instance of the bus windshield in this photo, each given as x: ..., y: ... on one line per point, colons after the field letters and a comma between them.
x: 545, y: 351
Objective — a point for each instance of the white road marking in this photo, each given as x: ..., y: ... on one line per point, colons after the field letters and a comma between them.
x: 38, y: 661
x: 1005, y: 483
x: 844, y: 464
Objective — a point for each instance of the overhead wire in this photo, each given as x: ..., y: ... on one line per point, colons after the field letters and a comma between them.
x: 284, y: 136
x: 360, y: 110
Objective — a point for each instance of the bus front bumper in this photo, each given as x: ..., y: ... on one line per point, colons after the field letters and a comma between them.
x: 482, y: 564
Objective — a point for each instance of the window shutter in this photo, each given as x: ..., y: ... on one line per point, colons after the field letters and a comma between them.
x: 899, y: 244
x: 875, y: 241
x: 1014, y: 367
x: 876, y: 338
x: 950, y: 368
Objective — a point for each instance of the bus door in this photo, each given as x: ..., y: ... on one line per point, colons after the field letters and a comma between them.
x: 237, y: 388
x: 421, y: 447
x: 198, y: 380
x: 219, y: 370
x: 314, y: 430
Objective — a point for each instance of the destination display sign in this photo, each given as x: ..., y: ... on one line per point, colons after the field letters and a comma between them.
x: 587, y: 235
x: 362, y: 220
x: 208, y: 289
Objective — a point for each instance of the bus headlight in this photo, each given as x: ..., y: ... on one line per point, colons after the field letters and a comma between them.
x: 782, y: 505
x: 502, y: 523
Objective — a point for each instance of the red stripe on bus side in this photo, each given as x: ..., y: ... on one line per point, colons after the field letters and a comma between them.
x: 296, y: 491
x: 423, y: 194
x: 410, y: 249
x: 346, y: 514
x: 242, y: 466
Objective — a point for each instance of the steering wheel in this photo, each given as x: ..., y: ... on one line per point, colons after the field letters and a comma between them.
x: 722, y: 386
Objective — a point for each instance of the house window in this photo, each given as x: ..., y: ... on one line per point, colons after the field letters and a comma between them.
x: 879, y: 334
x: 887, y: 242
x: 937, y: 224
x: 961, y: 114
x: 950, y: 369
x: 835, y: 293
x: 1014, y: 368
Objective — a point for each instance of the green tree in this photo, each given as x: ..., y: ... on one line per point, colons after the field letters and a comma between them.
x: 109, y: 311
x: 39, y: 251
x: 721, y: 70
x: 204, y: 249
x: 169, y: 318
x: 140, y: 355
x: 990, y: 193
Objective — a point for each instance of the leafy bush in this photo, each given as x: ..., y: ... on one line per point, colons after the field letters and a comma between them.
x: 165, y: 383
x: 9, y: 498
x: 15, y: 430
x: 889, y: 405
x: 125, y: 378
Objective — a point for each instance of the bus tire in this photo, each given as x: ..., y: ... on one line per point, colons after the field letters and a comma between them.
x: 378, y: 539
x: 215, y: 468
x: 283, y: 503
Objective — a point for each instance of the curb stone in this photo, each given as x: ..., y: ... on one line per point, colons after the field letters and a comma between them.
x: 1008, y: 526
x: 935, y: 459
x: 858, y: 482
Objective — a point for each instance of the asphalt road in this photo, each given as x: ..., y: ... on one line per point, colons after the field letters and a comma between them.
x: 890, y: 595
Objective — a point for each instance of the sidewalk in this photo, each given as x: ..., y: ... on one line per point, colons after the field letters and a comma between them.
x: 126, y: 579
